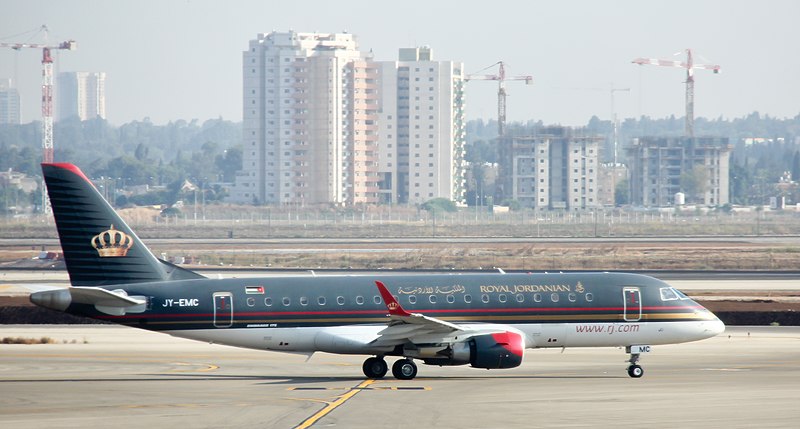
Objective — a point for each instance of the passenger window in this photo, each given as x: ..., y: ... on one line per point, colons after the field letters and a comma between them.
x: 572, y: 297
x: 485, y: 298
x: 321, y: 300
x: 537, y: 297
x: 303, y: 301
x: 467, y: 298
x: 340, y: 300
x: 268, y: 301
x: 360, y: 300
x: 520, y: 297
x: 432, y: 299
x: 412, y: 299
x: 502, y: 297
x: 451, y: 299
x: 589, y: 297
x: 554, y: 297
x: 286, y: 301
x: 376, y: 299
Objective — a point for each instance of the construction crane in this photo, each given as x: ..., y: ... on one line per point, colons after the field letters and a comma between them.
x: 47, y: 97
x: 501, y: 79
x: 690, y: 66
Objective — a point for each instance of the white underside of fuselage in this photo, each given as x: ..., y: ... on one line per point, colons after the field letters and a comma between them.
x: 355, y: 339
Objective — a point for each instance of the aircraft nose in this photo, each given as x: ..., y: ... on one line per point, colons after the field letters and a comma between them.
x: 712, y: 327
x: 716, y: 327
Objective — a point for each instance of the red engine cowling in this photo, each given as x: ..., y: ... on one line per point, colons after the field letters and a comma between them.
x: 490, y: 351
x: 501, y: 350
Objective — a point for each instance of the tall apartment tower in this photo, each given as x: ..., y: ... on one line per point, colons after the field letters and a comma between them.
x: 9, y: 103
x: 310, y: 121
x: 422, y: 129
x: 81, y: 94
x: 555, y: 169
x: 660, y: 167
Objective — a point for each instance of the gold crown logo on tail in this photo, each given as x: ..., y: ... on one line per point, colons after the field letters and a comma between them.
x: 112, y: 243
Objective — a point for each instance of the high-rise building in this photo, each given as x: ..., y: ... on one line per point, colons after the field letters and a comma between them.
x: 422, y: 130
x: 9, y: 103
x: 554, y: 169
x: 310, y: 121
x: 81, y: 94
x: 661, y: 167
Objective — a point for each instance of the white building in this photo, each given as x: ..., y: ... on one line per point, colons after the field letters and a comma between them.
x: 555, y: 169
x: 9, y: 103
x: 81, y: 94
x: 422, y: 132
x: 309, y: 121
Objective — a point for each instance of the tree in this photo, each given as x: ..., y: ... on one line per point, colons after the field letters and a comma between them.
x: 438, y: 205
x: 512, y: 205
x: 228, y: 163
x: 694, y: 182
x: 622, y: 193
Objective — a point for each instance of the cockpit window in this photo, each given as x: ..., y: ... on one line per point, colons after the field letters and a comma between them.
x: 680, y: 294
x: 671, y: 294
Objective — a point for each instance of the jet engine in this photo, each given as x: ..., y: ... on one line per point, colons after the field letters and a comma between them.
x: 490, y: 351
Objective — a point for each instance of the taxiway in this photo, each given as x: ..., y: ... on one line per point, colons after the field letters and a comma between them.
x: 109, y: 376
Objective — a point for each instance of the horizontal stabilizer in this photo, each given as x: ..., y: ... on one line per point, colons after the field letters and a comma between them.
x: 116, y: 302
x: 104, y: 297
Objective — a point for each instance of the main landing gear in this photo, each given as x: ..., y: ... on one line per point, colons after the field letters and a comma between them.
x: 403, y: 369
x: 375, y: 367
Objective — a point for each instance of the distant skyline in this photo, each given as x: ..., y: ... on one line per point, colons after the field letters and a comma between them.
x: 169, y: 60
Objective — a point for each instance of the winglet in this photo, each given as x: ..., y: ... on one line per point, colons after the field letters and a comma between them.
x: 391, y: 304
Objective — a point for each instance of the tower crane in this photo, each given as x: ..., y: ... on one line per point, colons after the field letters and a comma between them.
x: 501, y: 79
x: 690, y: 66
x: 47, y: 96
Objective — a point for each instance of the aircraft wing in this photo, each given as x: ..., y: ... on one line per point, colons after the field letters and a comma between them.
x: 417, y: 328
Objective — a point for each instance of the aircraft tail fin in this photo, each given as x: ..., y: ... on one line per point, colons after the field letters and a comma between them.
x: 99, y: 247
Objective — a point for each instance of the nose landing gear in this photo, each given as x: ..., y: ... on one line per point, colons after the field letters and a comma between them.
x: 634, y: 370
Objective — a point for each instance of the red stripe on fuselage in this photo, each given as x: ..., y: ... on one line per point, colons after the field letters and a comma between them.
x: 466, y: 312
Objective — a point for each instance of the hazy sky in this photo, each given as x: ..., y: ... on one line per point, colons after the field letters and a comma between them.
x: 170, y: 59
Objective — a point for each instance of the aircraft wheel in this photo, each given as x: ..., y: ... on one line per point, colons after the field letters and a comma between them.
x: 404, y: 369
x: 635, y: 371
x: 375, y: 367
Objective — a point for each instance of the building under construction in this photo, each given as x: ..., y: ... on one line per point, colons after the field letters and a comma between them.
x: 554, y: 169
x: 662, y: 167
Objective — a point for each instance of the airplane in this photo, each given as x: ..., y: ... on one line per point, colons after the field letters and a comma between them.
x: 485, y: 320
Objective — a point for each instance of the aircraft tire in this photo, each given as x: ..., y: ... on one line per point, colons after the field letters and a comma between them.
x: 404, y: 369
x: 635, y: 371
x: 375, y: 368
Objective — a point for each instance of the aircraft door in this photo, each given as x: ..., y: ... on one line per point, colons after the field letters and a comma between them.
x: 632, y: 298
x: 223, y: 309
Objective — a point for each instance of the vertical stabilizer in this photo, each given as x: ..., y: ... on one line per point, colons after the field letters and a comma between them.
x: 99, y: 247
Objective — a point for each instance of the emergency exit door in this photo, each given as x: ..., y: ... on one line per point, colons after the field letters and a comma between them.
x: 223, y: 309
x: 632, y: 298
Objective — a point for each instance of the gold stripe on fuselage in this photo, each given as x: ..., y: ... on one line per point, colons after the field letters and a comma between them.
x: 599, y: 318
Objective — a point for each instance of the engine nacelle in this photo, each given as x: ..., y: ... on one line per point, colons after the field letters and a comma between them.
x: 490, y: 351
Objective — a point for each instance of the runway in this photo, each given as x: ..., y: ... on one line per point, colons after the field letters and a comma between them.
x: 126, y: 378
